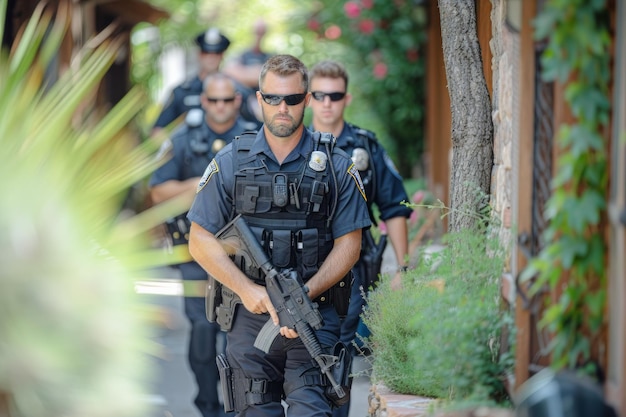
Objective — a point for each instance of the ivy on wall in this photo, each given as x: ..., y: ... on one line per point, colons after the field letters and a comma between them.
x: 572, y: 264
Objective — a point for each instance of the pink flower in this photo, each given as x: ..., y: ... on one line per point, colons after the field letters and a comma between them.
x: 367, y: 4
x: 313, y: 25
x: 380, y: 70
x: 352, y: 9
x: 367, y: 26
x: 383, y: 227
x: 333, y: 32
x: 418, y: 196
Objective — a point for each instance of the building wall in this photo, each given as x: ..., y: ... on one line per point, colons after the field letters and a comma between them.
x: 505, y: 99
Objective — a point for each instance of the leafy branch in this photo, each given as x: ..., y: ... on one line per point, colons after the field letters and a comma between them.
x: 572, y: 263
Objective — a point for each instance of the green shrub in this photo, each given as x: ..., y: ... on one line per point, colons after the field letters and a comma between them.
x: 74, y: 334
x: 440, y: 336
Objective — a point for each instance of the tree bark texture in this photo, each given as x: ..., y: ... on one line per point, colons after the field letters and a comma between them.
x: 472, y: 127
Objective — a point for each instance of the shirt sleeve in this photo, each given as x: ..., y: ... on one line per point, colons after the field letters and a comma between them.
x: 172, y: 169
x: 390, y: 192
x: 213, y: 203
x: 172, y: 109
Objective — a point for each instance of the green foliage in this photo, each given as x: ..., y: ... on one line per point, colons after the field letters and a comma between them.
x: 73, y: 331
x: 441, y: 335
x: 577, y: 53
x: 381, y: 44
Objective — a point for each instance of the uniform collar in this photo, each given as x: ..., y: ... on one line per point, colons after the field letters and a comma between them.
x: 233, y: 131
x: 303, y: 149
x: 346, y: 132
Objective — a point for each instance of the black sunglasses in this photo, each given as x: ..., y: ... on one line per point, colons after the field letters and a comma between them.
x: 214, y: 100
x: 276, y: 99
x: 336, y: 96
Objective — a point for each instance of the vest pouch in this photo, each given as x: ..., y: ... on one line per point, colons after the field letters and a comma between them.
x: 280, y: 247
x: 307, y: 252
x: 253, y: 199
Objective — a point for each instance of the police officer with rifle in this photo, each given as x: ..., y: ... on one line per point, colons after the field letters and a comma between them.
x: 303, y: 200
x: 289, y: 296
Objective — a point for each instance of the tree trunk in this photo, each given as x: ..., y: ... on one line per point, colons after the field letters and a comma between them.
x: 472, y: 127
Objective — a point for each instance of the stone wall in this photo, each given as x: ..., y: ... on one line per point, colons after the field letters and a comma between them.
x: 505, y: 47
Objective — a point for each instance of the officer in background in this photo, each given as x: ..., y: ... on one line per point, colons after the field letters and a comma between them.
x: 304, y: 200
x: 383, y: 186
x: 246, y: 67
x: 212, y: 44
x: 186, y: 96
x: 191, y: 148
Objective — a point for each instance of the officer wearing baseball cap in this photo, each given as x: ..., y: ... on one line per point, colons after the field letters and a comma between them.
x: 186, y: 96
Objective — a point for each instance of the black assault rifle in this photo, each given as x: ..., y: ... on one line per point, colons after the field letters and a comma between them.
x: 288, y: 295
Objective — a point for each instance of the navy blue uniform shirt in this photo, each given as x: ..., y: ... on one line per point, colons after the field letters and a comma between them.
x: 185, y: 163
x: 214, y: 200
x: 390, y: 191
x: 184, y: 97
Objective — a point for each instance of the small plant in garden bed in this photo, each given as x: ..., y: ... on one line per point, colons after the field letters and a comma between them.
x: 441, y: 335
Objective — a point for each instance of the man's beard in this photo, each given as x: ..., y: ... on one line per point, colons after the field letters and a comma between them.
x: 283, y: 131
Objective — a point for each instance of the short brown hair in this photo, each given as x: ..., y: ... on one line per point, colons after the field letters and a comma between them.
x: 285, y: 65
x: 329, y: 69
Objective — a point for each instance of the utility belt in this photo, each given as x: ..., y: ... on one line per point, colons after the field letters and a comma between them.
x: 221, y: 302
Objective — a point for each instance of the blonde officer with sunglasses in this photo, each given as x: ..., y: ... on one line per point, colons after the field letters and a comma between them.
x: 190, y: 149
x: 382, y: 182
x: 304, y: 201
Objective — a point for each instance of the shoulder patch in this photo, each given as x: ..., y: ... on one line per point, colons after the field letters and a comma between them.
x: 391, y: 166
x: 211, y: 169
x: 354, y: 173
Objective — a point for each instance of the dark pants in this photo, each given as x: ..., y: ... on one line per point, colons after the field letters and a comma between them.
x: 287, y: 363
x: 350, y: 323
x: 205, y: 342
x: 349, y: 327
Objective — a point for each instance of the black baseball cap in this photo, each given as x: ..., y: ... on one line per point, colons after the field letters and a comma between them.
x: 212, y: 41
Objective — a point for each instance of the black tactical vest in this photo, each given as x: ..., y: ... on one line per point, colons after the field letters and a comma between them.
x: 289, y: 212
x: 200, y: 147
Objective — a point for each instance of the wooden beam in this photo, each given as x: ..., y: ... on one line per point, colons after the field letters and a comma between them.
x: 523, y: 320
